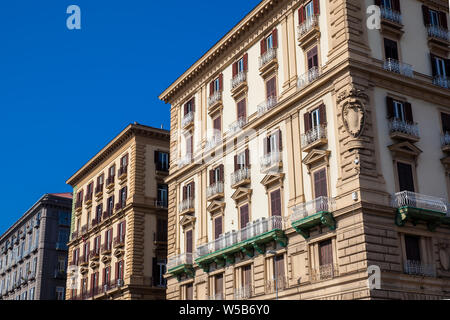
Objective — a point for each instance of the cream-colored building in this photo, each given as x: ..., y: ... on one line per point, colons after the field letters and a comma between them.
x: 118, y: 245
x: 309, y: 148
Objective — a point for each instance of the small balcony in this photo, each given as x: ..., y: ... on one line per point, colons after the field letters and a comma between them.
x: 438, y: 35
x: 106, y: 249
x: 239, y: 83
x: 88, y: 199
x: 187, y: 120
x: 305, y: 79
x: 162, y: 204
x: 279, y: 283
x: 418, y: 268
x: 308, y: 31
x: 314, y: 138
x: 236, y: 126
x: 441, y: 81
x: 212, y: 142
x: 84, y: 260
x: 244, y: 292
x: 271, y: 161
x: 96, y: 221
x: 391, y: 17
x: 94, y: 255
x: 445, y: 142
x: 313, y: 213
x: 267, y: 105
x: 78, y: 206
x: 186, y: 206
x: 396, y: 66
x: 185, y: 160
x: 217, y: 296
x: 253, y: 237
x: 324, y: 272
x: 214, y: 101
x: 181, y: 264
x: 99, y: 191
x: 214, y: 191
x: 110, y: 182
x: 123, y: 173
x: 240, y: 177
x: 403, y: 130
x: 84, y: 229
x: 119, y: 242
x: 107, y: 214
x: 415, y: 207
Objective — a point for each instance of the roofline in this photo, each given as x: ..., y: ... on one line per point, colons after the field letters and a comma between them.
x: 220, y: 46
x: 129, y: 131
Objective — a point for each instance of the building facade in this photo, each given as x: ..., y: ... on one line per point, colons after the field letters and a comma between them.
x: 309, y: 148
x: 118, y: 245
x: 33, y: 252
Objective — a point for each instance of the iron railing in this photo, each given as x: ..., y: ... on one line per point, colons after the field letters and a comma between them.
x: 316, y: 133
x: 445, y: 139
x: 398, y: 67
x: 184, y: 258
x: 438, y: 32
x: 240, y: 175
x: 238, y: 79
x: 392, y: 15
x: 267, y: 56
x: 421, y: 201
x: 307, y: 25
x: 217, y: 296
x: 441, y: 81
x: 277, y: 283
x: 237, y: 125
x: 185, y: 160
x: 267, y: 105
x: 215, y: 97
x: 213, y: 141
x: 186, y: 204
x: 419, y: 268
x: 308, y: 77
x: 187, y: 119
x: 324, y: 272
x: 409, y: 128
x: 320, y: 204
x: 270, y: 159
x: 244, y: 292
x: 214, y: 189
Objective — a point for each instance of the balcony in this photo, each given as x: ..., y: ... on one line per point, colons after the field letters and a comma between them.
x: 236, y: 126
x: 110, y: 182
x: 240, y: 177
x: 324, y: 272
x: 253, y: 237
x: 214, y: 101
x: 244, y: 293
x: 99, y: 191
x: 396, y: 66
x: 84, y: 260
x: 305, y: 79
x: 314, y: 138
x: 123, y: 173
x: 239, y: 83
x: 413, y: 207
x: 213, y: 142
x: 308, y: 31
x: 88, y: 199
x: 94, y: 255
x: 181, y: 264
x: 418, y: 268
x: 403, y: 130
x: 445, y: 142
x: 105, y: 249
x: 161, y: 204
x: 187, y: 206
x: 271, y: 161
x: 96, y: 221
x: 441, y: 81
x: 267, y: 105
x: 214, y: 191
x: 313, y: 213
x: 185, y: 160
x: 119, y: 242
x: 279, y: 283
x: 84, y: 229
x: 217, y: 296
x: 75, y: 235
x: 392, y: 17
x: 78, y: 208
x: 268, y: 62
x: 107, y: 214
x: 438, y: 36
x: 187, y: 120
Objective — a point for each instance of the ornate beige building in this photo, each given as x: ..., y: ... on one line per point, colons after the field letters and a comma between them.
x: 308, y: 145
x: 118, y: 245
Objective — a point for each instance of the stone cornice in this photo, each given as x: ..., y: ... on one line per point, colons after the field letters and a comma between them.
x: 130, y: 131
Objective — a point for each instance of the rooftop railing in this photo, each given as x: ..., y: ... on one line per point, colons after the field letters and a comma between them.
x: 438, y: 32
x: 399, y: 125
x: 389, y: 14
x: 308, y: 77
x: 420, y: 201
x: 178, y: 260
x: 320, y: 204
x: 316, y: 133
x: 238, y: 79
x: 267, y: 105
x: 398, y: 67
x: 267, y: 56
x: 307, y: 25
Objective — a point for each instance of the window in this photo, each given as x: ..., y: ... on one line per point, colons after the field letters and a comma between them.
x: 189, y: 244
x: 162, y: 161
x: 399, y: 110
x: 97, y: 243
x: 59, y: 293
x: 246, y: 276
x: 216, y: 175
x: 100, y: 182
x: 119, y: 270
x: 161, y: 231
x: 241, y: 110
x: 241, y: 65
x: 63, y: 237
x: 107, y: 275
x: 188, y: 191
x: 86, y: 251
x: 275, y: 202
x: 244, y: 215
x: 434, y: 18
x: 271, y: 91
x: 61, y: 265
x: 412, y: 248
x: 320, y: 183
x: 278, y: 262
x: 31, y: 295
x: 445, y: 117
x: 440, y: 66
x: 218, y: 286
x: 273, y: 143
x: 121, y: 230
x: 269, y: 42
x: 241, y: 160
x: 386, y: 4
x: 98, y: 212
x: 90, y: 190
x: 217, y: 125
x: 218, y: 227
x: 189, y: 293
x: 325, y: 253
x: 64, y: 218
x: 315, y: 118
x: 124, y: 161
x: 189, y: 106
x: 112, y: 171
x: 110, y: 205
x: 159, y: 269
x: 312, y: 58
x: 108, y: 239
x: 405, y: 177
x: 309, y: 10
x: 390, y: 49
x: 162, y: 195
x: 123, y: 197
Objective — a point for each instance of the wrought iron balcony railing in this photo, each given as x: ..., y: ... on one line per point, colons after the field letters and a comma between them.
x: 187, y: 119
x: 270, y: 159
x: 406, y: 127
x: 186, y: 204
x: 445, y: 139
x: 420, y: 201
x: 181, y: 259
x: 279, y: 283
x: 307, y: 25
x: 214, y: 98
x: 214, y: 189
x: 217, y: 296
x: 419, y: 268
x: 320, y: 204
x: 237, y: 126
x: 392, y: 15
x: 308, y: 77
x: 442, y: 81
x: 161, y: 204
x: 185, y: 160
x: 244, y: 292
x: 316, y: 133
x: 238, y: 79
x: 213, y: 141
x: 398, y: 67
x: 438, y: 32
x: 324, y: 272
x: 267, y: 105
x: 267, y: 56
x: 240, y: 175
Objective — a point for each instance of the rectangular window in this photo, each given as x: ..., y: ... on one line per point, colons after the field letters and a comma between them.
x: 162, y: 195
x: 445, y: 117
x: 217, y: 227
x: 405, y: 177
x: 240, y: 65
x: 390, y: 49
x: 271, y: 91
x: 269, y: 42
x: 119, y: 270
x: 275, y: 202
x: 244, y: 215
x: 434, y: 18
x: 64, y: 218
x: 110, y: 205
x: 320, y: 183
x: 162, y: 161
x: 325, y: 253
x: 161, y: 232
x: 246, y: 276
x: 217, y: 125
x: 123, y: 197
x: 279, y: 267
x: 412, y: 248
x: 440, y: 67
x: 112, y: 171
x: 241, y: 110
x: 59, y: 293
x: 108, y: 238
x: 189, y: 243
x: 107, y: 276
x: 218, y: 285
x: 189, y: 291
x: 313, y: 59
x: 309, y: 10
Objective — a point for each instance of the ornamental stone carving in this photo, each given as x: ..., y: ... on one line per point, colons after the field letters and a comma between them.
x: 353, y: 111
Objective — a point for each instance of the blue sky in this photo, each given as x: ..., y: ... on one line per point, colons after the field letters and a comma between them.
x: 65, y: 93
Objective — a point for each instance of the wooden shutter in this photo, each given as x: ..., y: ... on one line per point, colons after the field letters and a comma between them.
x: 236, y: 168
x: 219, y: 283
x: 221, y: 82
x: 241, y: 109
x: 247, y: 275
x: 307, y: 120
x: 396, y: 5
x: 275, y: 202
x: 390, y: 107
x: 185, y: 111
x: 325, y: 253
x: 275, y: 38
x: 193, y: 190
x: 445, y: 117
x: 235, y: 69
x: 270, y: 88
x: 312, y: 58
x: 217, y: 123
x: 211, y: 88
x: 317, y: 8
x: 443, y: 20
x: 301, y: 15
x: 245, y: 61
x: 279, y: 262
x: 433, y: 65
x: 244, y: 217
x: 408, y: 112
x: 184, y: 192
x: 412, y: 247
x: 189, y: 241
x: 211, y: 177
x: 263, y: 46
x: 280, y: 141
x: 247, y: 157
x: 221, y: 173
x: 320, y: 183
x: 426, y: 15
x: 193, y: 104
x: 322, y: 114
x: 217, y: 227
x: 405, y: 177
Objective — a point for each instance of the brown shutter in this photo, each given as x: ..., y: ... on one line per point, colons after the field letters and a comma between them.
x: 443, y: 20
x: 408, y: 112
x: 193, y: 189
x: 266, y: 146
x: 280, y: 141
x: 247, y: 158
x: 221, y: 172
x: 279, y: 262
x: 325, y: 253
x: 217, y: 227
x: 235, y: 69
x: 275, y: 203
x: 245, y: 61
x: 322, y: 114
x: 244, y: 216
x: 242, y: 109
x: 217, y: 123
x: 396, y: 5
x: 307, y: 119
x: 247, y: 275
x: 184, y: 193
x: 320, y: 183
x: 185, y: 113
x: 193, y: 104
x: 275, y: 38
x: 263, y: 46
x: 211, y: 88
x: 317, y: 8
x: 426, y: 15
x: 301, y: 15
x: 236, y: 168
x: 390, y: 107
x: 211, y: 177
x: 221, y: 82
x: 189, y: 241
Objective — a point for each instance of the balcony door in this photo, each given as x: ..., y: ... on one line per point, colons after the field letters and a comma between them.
x: 218, y: 228
x: 405, y: 176
x: 218, y: 285
x: 243, y: 215
x: 390, y: 49
x: 313, y: 59
x: 241, y: 110
x: 320, y: 183
x: 271, y: 91
x: 189, y: 243
x: 412, y: 248
x: 325, y: 253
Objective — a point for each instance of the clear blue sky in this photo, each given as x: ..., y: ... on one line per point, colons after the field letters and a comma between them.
x: 64, y: 94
